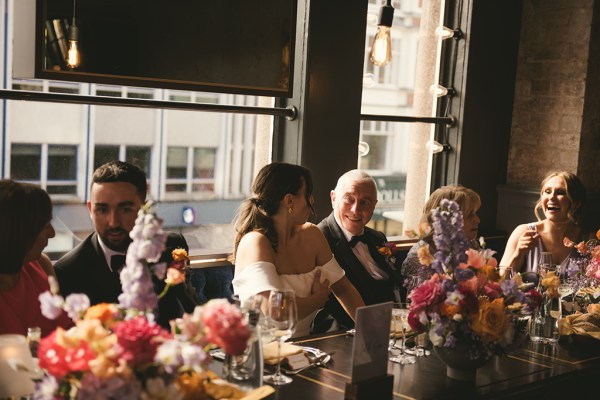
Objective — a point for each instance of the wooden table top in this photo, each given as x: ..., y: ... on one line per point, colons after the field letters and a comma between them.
x: 535, y: 371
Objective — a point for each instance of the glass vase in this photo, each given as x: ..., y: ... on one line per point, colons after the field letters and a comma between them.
x: 543, y: 327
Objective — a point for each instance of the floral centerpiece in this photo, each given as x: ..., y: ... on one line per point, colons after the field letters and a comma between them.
x: 466, y: 302
x: 588, y: 261
x: 117, y: 351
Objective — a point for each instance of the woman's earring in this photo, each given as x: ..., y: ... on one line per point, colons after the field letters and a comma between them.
x: 290, y: 210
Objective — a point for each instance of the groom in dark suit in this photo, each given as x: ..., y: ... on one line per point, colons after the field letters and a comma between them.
x: 356, y: 248
x: 117, y: 193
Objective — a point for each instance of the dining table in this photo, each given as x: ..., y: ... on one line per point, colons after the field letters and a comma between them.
x: 565, y: 370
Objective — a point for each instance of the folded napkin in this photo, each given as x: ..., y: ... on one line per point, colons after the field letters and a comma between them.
x: 580, y: 324
x: 287, y: 349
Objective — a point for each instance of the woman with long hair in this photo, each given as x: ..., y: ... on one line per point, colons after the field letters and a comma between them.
x: 559, y: 212
x: 276, y: 248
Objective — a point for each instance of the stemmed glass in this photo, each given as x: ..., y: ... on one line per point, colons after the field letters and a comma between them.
x: 282, y: 317
x: 400, y: 316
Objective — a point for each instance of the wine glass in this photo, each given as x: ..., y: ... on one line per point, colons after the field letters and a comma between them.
x: 544, y: 262
x: 400, y: 316
x: 282, y: 317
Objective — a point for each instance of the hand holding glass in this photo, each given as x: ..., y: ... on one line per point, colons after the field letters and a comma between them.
x: 282, y: 317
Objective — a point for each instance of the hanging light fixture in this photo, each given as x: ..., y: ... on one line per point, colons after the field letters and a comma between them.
x: 381, y: 51
x: 73, y: 54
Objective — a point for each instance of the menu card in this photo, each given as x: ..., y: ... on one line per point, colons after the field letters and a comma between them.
x: 371, y: 340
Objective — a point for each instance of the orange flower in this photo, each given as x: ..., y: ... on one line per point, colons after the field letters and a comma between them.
x: 104, y: 312
x: 180, y: 254
x: 385, y: 251
x: 491, y: 272
x: 450, y: 310
x: 490, y: 322
x: 598, y: 234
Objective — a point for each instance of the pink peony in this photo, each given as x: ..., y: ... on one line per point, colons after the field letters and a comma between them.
x: 139, y: 339
x: 59, y: 361
x: 225, y: 326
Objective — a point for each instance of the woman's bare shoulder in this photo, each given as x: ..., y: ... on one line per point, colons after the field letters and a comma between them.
x: 253, y: 247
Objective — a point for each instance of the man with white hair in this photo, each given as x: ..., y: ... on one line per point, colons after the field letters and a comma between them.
x: 356, y: 248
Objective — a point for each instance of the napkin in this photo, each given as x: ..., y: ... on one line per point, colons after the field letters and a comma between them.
x: 580, y: 324
x: 287, y: 349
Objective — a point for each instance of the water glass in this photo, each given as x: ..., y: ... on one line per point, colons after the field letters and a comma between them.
x: 282, y: 317
x: 400, y: 321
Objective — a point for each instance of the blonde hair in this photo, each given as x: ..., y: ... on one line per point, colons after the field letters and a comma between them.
x: 468, y: 201
x: 575, y: 193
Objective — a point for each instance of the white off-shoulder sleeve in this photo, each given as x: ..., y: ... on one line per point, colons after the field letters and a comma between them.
x: 255, y: 278
x: 332, y: 271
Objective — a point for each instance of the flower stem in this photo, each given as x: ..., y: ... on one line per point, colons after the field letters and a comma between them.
x: 165, y: 290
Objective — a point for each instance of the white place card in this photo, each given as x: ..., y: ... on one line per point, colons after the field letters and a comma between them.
x: 371, y: 340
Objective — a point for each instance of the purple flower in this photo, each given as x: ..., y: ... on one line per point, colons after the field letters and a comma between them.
x: 75, y: 305
x: 45, y: 389
x: 93, y: 387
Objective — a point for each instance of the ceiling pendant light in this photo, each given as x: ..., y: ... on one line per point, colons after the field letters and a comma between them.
x: 381, y: 51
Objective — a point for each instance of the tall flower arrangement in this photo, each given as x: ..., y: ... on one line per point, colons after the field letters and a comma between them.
x: 466, y: 300
x: 117, y: 351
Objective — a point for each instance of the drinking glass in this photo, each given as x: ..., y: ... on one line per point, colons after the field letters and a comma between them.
x: 282, y: 317
x: 544, y: 262
x: 400, y: 316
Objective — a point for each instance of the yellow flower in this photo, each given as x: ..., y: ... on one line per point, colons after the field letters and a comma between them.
x: 106, y: 313
x: 490, y: 322
x: 551, y: 282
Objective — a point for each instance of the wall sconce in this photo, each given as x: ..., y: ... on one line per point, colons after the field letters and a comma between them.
x: 436, y: 147
x: 368, y: 80
x: 363, y: 148
x: 439, y: 90
x: 73, y: 55
x: 381, y: 51
x: 447, y: 33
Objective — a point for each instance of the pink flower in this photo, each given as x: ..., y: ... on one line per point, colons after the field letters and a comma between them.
x: 139, y: 339
x: 225, y: 326
x: 427, y: 294
x: 475, y: 259
x: 59, y: 360
x: 174, y: 277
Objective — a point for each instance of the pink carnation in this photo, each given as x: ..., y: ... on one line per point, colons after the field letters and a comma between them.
x: 225, y: 326
x: 59, y: 361
x: 139, y: 339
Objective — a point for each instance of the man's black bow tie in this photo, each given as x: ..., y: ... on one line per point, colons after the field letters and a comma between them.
x: 356, y: 239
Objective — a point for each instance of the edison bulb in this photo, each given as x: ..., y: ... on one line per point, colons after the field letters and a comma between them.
x: 73, y: 56
x: 381, y: 52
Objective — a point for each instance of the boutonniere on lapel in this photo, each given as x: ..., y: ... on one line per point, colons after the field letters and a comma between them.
x: 176, y: 270
x: 388, y: 250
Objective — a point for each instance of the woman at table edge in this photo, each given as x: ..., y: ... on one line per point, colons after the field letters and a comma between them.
x: 276, y: 248
x: 562, y: 200
x: 26, y: 214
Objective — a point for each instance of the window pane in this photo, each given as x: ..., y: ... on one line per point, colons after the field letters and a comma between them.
x: 140, y: 156
x: 176, y: 162
x: 203, y: 187
x: 25, y: 162
x: 62, y: 162
x: 175, y: 187
x: 376, y: 158
x: 62, y: 189
x: 104, y: 154
x: 204, y: 163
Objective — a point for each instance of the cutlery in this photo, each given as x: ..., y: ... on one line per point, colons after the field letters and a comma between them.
x: 319, y: 361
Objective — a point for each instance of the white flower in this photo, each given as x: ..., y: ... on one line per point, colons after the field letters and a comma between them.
x: 193, y: 356
x: 51, y: 304
x: 75, y: 305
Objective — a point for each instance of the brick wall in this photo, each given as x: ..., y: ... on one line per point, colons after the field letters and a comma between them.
x: 556, y: 118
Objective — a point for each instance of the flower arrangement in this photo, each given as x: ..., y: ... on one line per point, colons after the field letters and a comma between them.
x: 588, y: 261
x: 465, y: 300
x: 389, y: 250
x: 118, y: 351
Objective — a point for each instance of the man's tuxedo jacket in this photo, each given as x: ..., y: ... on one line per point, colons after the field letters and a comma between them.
x: 84, y: 270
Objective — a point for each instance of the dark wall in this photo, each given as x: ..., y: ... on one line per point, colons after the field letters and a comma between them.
x: 481, y: 138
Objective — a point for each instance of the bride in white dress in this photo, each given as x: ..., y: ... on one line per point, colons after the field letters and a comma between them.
x: 275, y: 248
